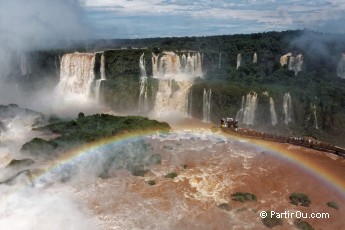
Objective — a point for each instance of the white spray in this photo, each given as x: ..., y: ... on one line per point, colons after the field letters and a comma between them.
x: 274, y: 119
x: 287, y: 108
x: 99, y: 81
x: 143, y: 104
x: 206, y: 106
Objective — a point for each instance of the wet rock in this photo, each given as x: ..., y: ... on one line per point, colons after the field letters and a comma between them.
x: 24, y: 176
x: 20, y: 163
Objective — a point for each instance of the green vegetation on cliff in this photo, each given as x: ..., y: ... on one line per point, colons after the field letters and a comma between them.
x: 317, y: 85
x: 91, y: 128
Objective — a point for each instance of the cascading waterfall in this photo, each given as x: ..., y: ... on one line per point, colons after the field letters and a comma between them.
x: 292, y: 63
x: 341, y: 67
x: 274, y: 119
x: 313, y: 108
x: 206, y: 106
x: 284, y: 59
x: 76, y: 74
x: 143, y: 104
x: 99, y: 81
x: 175, y: 74
x: 287, y: 108
x: 189, y: 103
x: 155, y: 65
x: 246, y: 115
x: 239, y: 115
x: 56, y: 64
x: 295, y: 63
x: 255, y: 58
x: 298, y: 63
x: 239, y: 58
x: 25, y: 66
x: 171, y: 97
x: 220, y: 60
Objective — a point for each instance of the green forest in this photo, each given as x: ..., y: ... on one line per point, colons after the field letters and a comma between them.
x: 316, y: 85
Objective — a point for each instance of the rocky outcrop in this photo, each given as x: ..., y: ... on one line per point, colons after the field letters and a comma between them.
x: 20, y: 163
x: 24, y: 176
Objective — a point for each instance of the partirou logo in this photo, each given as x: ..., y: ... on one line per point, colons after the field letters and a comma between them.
x: 296, y: 214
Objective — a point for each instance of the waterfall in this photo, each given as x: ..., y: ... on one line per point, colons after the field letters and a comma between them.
x: 284, y: 59
x: 206, y: 106
x: 313, y: 107
x: 56, y: 64
x: 341, y: 67
x: 220, y: 60
x: 189, y: 103
x: 25, y: 65
x: 175, y: 73
x: 167, y: 66
x: 274, y: 119
x: 76, y: 74
x: 298, y: 63
x: 246, y: 115
x: 154, y: 65
x: 99, y: 81
x: 239, y: 58
x: 143, y: 104
x: 287, y: 108
x: 239, y: 115
x: 171, y: 97
x: 292, y: 63
x: 255, y: 58
x: 295, y: 63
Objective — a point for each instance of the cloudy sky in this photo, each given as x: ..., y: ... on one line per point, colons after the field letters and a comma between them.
x: 152, y: 18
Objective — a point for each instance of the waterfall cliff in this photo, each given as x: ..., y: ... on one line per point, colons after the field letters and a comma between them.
x: 25, y: 65
x: 76, y: 74
x: 175, y: 73
x: 287, y: 108
x: 220, y: 60
x: 312, y: 117
x: 273, y: 113
x: 341, y: 67
x: 255, y: 58
x: 284, y: 59
x: 170, y: 65
x: 98, y: 86
x: 295, y: 63
x: 171, y: 97
x: 246, y: 115
x: 238, y: 62
x: 206, y: 106
x: 143, y: 104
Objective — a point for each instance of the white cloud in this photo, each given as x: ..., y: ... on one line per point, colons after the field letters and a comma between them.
x: 272, y: 14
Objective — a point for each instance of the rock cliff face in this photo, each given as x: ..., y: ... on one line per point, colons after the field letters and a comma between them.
x: 77, y: 74
x: 341, y: 67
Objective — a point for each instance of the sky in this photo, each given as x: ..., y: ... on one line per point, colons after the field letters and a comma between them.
x: 167, y: 18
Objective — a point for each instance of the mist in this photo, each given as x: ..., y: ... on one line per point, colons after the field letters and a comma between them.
x: 39, y: 24
x: 27, y: 26
x: 318, y: 47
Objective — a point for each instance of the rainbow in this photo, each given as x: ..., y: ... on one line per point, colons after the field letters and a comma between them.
x: 299, y: 160
x: 276, y: 150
